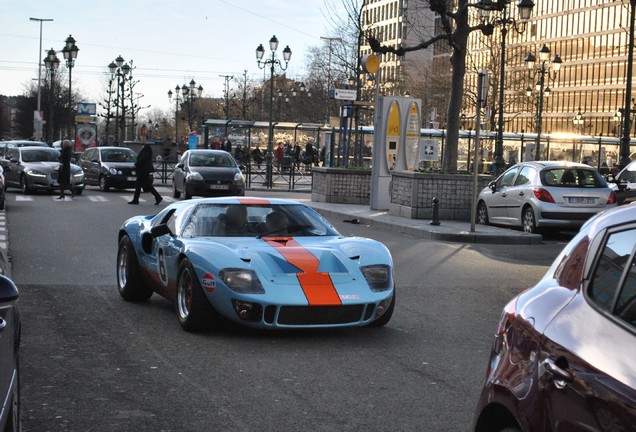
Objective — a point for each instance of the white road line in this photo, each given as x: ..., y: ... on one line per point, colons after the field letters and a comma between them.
x: 23, y: 198
x: 97, y: 198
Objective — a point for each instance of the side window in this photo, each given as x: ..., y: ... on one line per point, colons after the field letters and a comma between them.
x: 605, y: 289
x: 525, y: 176
x: 507, y: 178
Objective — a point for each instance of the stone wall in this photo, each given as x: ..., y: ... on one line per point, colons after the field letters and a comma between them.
x: 412, y: 194
x: 341, y: 185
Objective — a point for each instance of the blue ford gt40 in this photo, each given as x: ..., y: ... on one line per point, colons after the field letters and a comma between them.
x: 266, y: 263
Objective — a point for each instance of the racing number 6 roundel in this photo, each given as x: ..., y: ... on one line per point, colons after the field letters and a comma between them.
x: 163, y: 272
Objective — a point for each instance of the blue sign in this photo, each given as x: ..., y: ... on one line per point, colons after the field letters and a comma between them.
x: 192, y: 142
x: 85, y: 108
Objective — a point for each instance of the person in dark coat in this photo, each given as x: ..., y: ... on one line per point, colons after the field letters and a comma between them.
x: 144, y: 175
x: 64, y: 170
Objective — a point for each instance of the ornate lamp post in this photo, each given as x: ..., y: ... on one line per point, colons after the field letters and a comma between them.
x: 51, y: 63
x: 186, y: 93
x: 37, y: 124
x: 541, y: 71
x: 272, y: 62
x: 578, y: 122
x: 504, y: 21
x: 70, y: 54
x: 119, y: 69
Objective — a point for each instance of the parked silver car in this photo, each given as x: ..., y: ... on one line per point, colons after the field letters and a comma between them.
x: 543, y: 195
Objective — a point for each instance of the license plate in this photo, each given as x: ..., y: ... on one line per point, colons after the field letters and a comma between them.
x: 131, y: 178
x: 217, y: 187
x: 581, y: 200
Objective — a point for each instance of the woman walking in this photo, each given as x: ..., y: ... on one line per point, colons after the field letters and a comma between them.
x: 64, y: 169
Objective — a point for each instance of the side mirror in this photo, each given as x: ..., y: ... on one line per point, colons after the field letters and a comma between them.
x: 493, y: 186
x: 14, y: 160
x: 179, y: 165
x: 160, y: 230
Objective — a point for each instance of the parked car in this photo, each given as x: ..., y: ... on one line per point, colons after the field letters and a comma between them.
x: 207, y: 173
x: 9, y: 353
x: 542, y: 195
x: 35, y: 168
x: 563, y: 354
x: 624, y: 184
x: 265, y: 263
x: 2, y: 189
x: 109, y: 167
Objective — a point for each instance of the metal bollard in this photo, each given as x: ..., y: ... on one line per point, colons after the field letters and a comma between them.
x: 435, y: 220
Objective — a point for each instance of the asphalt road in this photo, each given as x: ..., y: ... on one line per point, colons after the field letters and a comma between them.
x: 92, y: 362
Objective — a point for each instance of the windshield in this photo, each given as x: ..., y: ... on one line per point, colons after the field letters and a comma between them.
x: 239, y: 220
x: 573, y: 177
x: 210, y: 160
x: 118, y: 155
x: 37, y: 155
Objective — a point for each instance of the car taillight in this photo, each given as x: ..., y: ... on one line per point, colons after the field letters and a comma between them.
x: 612, y: 198
x: 543, y: 195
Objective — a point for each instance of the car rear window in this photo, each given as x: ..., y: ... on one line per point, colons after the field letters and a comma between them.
x: 572, y: 177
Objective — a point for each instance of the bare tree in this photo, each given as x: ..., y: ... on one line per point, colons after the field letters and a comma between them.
x: 455, y: 30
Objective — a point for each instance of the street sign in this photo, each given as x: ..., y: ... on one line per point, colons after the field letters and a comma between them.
x: 343, y: 94
x: 85, y: 108
x: 84, y: 119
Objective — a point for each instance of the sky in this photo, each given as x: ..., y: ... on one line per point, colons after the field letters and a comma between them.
x: 169, y: 42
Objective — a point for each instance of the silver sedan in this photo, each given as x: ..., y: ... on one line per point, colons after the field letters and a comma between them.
x: 542, y: 195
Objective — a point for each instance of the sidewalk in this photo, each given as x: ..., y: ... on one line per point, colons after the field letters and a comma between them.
x: 454, y: 231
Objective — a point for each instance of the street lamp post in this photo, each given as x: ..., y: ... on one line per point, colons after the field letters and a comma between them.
x: 272, y: 62
x: 38, y: 123
x: 505, y: 21
x: 185, y: 93
x: 578, y: 122
x: 542, y: 71
x: 51, y: 63
x: 70, y: 54
x: 624, y: 145
x: 119, y: 69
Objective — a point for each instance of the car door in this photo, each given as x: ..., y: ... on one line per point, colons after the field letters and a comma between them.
x: 587, y: 378
x: 14, y: 171
x: 519, y: 193
x: 497, y: 201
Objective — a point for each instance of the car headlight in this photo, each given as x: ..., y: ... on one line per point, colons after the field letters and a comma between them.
x: 35, y: 173
x: 238, y: 177
x: 242, y: 281
x: 79, y: 175
x: 378, y: 276
x: 114, y: 171
x: 194, y: 176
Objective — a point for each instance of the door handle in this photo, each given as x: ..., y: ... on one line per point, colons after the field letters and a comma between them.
x: 558, y: 373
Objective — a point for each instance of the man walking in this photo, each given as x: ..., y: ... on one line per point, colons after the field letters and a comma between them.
x: 144, y: 175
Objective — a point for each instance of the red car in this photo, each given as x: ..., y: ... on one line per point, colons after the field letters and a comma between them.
x: 564, y: 354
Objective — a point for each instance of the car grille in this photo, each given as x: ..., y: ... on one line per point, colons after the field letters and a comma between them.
x: 316, y: 315
x: 218, y: 182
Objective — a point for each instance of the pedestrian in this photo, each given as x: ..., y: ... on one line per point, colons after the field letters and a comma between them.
x: 64, y: 169
x: 227, y: 144
x: 145, y: 169
x: 257, y: 155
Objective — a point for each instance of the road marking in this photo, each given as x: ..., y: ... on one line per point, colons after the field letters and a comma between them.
x: 97, y: 198
x: 23, y: 198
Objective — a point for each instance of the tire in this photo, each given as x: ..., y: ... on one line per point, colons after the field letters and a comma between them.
x: 103, y: 184
x: 187, y: 194
x: 175, y: 192
x: 194, y: 311
x: 528, y: 221
x: 386, y: 317
x: 79, y: 191
x: 482, y: 213
x: 130, y: 284
x: 24, y: 185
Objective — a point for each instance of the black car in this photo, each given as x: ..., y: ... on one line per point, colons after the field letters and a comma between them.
x: 9, y: 350
x: 207, y: 173
x: 109, y: 167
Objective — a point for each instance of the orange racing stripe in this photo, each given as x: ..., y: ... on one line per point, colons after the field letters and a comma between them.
x: 317, y: 286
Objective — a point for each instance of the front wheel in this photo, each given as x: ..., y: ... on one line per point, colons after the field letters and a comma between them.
x: 130, y: 283
x: 103, y: 184
x: 528, y: 222
x: 24, y: 185
x: 194, y: 311
x: 187, y: 194
x: 482, y: 213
